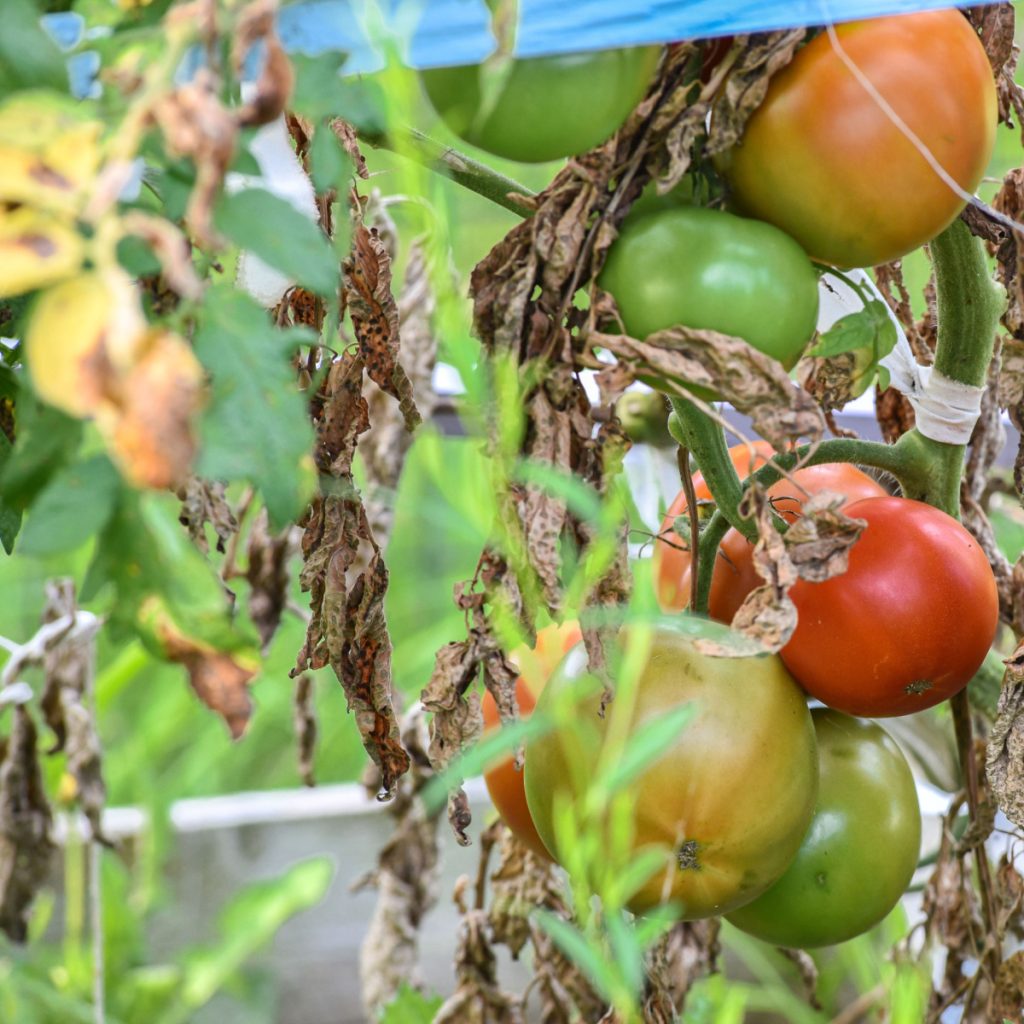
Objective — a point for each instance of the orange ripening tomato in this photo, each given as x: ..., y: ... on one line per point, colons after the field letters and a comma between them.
x: 909, y: 622
x: 735, y: 576
x: 824, y: 160
x: 504, y: 782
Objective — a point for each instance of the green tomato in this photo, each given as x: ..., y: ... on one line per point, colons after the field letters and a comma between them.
x: 858, y: 856
x: 546, y: 108
x: 707, y: 269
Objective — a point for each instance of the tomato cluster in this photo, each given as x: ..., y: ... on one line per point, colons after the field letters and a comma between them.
x: 865, y: 147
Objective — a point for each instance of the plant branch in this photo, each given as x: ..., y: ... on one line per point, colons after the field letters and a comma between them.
x: 710, y: 539
x: 686, y: 478
x: 450, y: 163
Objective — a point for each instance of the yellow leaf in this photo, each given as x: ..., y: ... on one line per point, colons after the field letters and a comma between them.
x: 49, y: 151
x: 84, y: 335
x: 35, y: 250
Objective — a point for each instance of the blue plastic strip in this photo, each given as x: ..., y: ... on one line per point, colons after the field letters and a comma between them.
x: 442, y: 32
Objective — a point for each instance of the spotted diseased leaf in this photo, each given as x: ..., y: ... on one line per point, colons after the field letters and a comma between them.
x: 36, y: 249
x: 760, y: 56
x: 26, y: 847
x: 375, y: 318
x: 687, y: 952
x: 345, y: 575
x: 1008, y: 993
x: 1005, y: 757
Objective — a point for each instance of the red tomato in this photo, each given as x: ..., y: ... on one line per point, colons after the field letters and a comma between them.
x: 734, y: 576
x: 907, y: 625
x: 504, y: 782
x: 826, y: 162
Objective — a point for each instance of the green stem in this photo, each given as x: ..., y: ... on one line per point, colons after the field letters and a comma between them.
x: 450, y: 163
x: 705, y: 440
x: 710, y: 539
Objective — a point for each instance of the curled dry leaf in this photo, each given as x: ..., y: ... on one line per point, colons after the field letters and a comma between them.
x: 1005, y: 758
x: 829, y: 381
x: 203, y: 501
x: 921, y: 334
x: 894, y: 413
x: 819, y: 542
x: 304, y: 720
x: 69, y: 668
x: 375, y: 318
x: 268, y: 576
x: 197, y: 125
x: 26, y: 847
x: 759, y: 56
x: 220, y: 678
x: 1007, y: 996
x: 171, y: 248
x: 349, y: 140
x: 995, y: 25
x: 687, y: 952
x: 989, y: 435
x: 752, y: 382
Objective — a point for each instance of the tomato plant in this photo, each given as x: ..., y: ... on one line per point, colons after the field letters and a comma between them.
x: 734, y: 575
x: 749, y: 747
x: 709, y: 269
x: 824, y: 160
x: 908, y: 623
x: 861, y: 850
x: 504, y: 781
x: 547, y: 107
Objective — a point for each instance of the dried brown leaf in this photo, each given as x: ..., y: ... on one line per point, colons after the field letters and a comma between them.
x: 1005, y: 759
x: 349, y: 140
x: 995, y: 25
x: 1007, y: 997
x: 375, y: 318
x: 681, y: 957
x: 819, y: 542
x: 304, y: 720
x: 894, y: 413
x: 760, y: 56
x: 276, y: 80
x: 268, y: 576
x: 204, y: 501
x: 26, y: 847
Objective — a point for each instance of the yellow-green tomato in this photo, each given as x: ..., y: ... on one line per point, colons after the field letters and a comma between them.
x: 861, y: 850
x: 545, y: 108
x: 696, y: 267
x: 731, y: 798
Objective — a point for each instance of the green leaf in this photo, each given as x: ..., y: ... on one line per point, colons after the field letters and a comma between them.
x: 321, y: 92
x: 628, y: 953
x: 45, y: 441
x: 411, y: 1007
x: 29, y: 58
x: 645, y: 746
x: 74, y: 507
x: 10, y: 518
x: 256, y: 426
x: 250, y: 921
x: 285, y: 239
x: 330, y: 165
x: 870, y: 328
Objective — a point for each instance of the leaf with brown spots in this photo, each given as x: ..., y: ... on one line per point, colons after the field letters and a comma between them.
x: 374, y: 314
x: 304, y: 721
x: 203, y: 501
x: 267, y: 573
x: 995, y: 25
x: 819, y: 542
x: 26, y: 847
x: 1005, y: 758
x: 36, y: 249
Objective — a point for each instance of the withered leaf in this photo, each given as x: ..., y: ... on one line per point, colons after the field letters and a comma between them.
x: 686, y: 953
x: 375, y: 318
x: 276, y: 79
x: 26, y: 847
x: 894, y: 413
x: 819, y: 542
x: 995, y: 25
x: 761, y: 55
x: 458, y: 720
x: 267, y: 573
x: 304, y: 720
x: 1008, y: 993
x: 750, y: 381
x: 204, y: 501
x: 1005, y: 759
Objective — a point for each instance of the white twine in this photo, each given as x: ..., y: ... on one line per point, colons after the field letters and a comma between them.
x: 946, y: 410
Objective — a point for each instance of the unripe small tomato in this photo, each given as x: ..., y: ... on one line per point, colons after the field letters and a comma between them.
x: 861, y: 850
x: 546, y: 108
x: 504, y: 781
